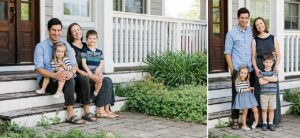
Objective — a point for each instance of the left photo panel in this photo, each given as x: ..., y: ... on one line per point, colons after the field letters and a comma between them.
x: 103, y: 68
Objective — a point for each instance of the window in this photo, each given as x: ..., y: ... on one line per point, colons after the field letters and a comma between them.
x: 291, y: 13
x: 134, y: 6
x: 77, y: 7
x: 260, y: 8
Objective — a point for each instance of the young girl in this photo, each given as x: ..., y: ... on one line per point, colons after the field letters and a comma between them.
x: 245, y: 98
x: 59, y: 62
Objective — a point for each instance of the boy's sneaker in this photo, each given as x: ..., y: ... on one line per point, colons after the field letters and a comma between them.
x: 264, y: 127
x: 271, y: 127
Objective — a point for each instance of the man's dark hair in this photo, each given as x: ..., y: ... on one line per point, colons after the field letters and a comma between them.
x: 91, y: 32
x: 268, y: 56
x: 242, y: 11
x: 54, y: 21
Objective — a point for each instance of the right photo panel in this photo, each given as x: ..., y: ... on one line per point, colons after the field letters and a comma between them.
x: 253, y: 68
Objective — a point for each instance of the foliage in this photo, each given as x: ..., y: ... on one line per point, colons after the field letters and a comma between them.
x: 294, y: 97
x: 213, y: 135
x: 186, y: 103
x: 222, y: 124
x: 178, y: 68
x: 45, y: 121
x: 13, y: 130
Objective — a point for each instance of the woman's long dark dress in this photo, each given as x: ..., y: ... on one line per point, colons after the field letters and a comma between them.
x: 106, y: 95
x: 265, y: 45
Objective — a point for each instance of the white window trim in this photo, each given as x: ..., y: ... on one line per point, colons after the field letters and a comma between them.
x: 58, y: 12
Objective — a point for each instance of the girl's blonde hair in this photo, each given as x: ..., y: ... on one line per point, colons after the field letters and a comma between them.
x: 238, y: 74
x: 57, y: 45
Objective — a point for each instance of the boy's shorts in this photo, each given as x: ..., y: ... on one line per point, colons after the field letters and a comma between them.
x: 268, y: 101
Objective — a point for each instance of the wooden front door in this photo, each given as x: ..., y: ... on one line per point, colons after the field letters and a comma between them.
x: 19, y: 27
x: 217, y: 21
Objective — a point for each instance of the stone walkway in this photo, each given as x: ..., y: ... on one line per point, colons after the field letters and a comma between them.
x: 134, y: 125
x: 289, y: 128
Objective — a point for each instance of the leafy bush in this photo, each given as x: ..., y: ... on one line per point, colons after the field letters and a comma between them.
x: 186, y: 103
x: 178, y: 68
x: 294, y: 97
x: 13, y: 130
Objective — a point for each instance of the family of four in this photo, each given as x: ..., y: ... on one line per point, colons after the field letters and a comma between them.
x: 253, y: 58
x: 64, y: 68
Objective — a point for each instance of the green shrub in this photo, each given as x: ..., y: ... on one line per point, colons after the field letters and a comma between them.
x: 186, y: 103
x: 178, y: 68
x: 294, y: 97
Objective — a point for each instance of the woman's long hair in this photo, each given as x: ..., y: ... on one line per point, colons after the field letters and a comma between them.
x: 70, y: 37
x: 255, y: 32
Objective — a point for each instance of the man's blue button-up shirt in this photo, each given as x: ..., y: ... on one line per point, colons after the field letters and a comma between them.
x: 238, y: 45
x: 43, y: 55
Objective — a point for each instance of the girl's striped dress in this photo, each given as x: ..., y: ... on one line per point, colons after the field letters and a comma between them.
x: 244, y: 99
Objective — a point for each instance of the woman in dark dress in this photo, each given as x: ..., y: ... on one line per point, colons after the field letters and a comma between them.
x: 263, y: 42
x: 106, y: 97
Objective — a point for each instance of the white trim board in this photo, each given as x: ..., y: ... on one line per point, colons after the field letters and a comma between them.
x: 17, y: 68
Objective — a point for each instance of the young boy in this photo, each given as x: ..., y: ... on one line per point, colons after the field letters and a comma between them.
x: 92, y: 58
x: 267, y: 81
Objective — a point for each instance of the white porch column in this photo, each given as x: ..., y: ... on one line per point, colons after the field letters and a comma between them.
x: 277, y: 28
x: 203, y: 9
x: 104, y: 27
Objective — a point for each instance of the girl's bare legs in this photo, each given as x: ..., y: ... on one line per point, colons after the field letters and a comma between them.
x: 244, y: 117
x: 59, y: 91
x: 44, y: 86
x: 255, y: 113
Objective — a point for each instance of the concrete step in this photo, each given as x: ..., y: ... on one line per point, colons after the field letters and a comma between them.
x: 23, y: 81
x: 215, y: 117
x: 22, y: 100
x: 224, y: 103
x: 30, y: 116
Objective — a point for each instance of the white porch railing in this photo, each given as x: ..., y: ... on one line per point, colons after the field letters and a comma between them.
x: 136, y: 35
x: 291, y: 53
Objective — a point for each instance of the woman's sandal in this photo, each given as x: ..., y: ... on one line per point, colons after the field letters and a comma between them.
x: 75, y: 120
x: 89, y: 117
x: 235, y: 124
x: 112, y: 113
x: 105, y: 115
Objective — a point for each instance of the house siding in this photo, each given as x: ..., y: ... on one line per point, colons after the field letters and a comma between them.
x: 156, y: 7
x: 49, y: 15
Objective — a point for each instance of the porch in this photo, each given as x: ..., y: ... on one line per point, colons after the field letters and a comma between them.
x: 136, y: 35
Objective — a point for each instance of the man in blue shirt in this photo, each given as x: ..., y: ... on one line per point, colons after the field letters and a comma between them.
x: 238, y: 53
x: 42, y: 61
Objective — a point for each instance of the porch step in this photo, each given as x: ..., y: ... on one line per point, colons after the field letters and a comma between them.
x: 30, y: 116
x: 21, y: 100
x: 23, y: 81
x: 224, y: 103
x: 215, y: 117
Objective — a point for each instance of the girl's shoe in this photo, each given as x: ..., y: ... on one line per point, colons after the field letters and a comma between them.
x: 254, y: 125
x: 40, y: 91
x: 246, y: 128
x: 57, y: 94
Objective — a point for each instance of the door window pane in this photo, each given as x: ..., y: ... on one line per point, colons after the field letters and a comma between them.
x: 216, y: 15
x: 217, y: 29
x: 25, y: 11
x: 3, y: 10
x: 216, y: 3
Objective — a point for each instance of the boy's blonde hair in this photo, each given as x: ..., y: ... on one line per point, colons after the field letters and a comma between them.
x: 57, y: 45
x: 238, y: 74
